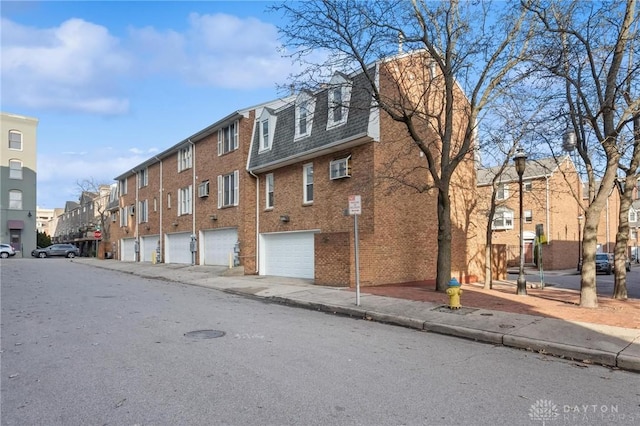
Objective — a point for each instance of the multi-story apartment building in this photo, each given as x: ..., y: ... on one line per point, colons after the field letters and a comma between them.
x: 267, y: 187
x: 310, y: 156
x: 553, y: 197
x: 18, y: 173
x: 44, y: 218
x: 80, y: 220
x: 194, y: 202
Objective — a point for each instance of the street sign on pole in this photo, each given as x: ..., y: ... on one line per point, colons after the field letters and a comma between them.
x: 355, y: 209
x: 355, y: 205
x: 97, y: 234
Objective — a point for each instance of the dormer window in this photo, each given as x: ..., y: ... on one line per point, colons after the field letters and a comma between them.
x: 302, y: 118
x: 304, y: 115
x: 339, y: 96
x: 266, y: 128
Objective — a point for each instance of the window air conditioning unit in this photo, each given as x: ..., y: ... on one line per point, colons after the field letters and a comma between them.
x: 341, y: 168
x: 203, y: 189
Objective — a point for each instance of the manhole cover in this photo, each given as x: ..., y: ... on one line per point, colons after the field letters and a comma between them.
x: 205, y: 334
x: 460, y: 311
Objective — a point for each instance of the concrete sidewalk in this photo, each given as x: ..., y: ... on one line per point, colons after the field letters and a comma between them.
x: 584, y: 342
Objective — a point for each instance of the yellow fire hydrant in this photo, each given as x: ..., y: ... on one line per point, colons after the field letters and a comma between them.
x: 454, y: 291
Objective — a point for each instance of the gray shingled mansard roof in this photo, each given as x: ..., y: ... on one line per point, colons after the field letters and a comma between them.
x: 534, y: 169
x: 285, y: 150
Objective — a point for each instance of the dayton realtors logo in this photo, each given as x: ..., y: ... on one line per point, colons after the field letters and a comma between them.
x: 547, y: 411
x: 543, y: 411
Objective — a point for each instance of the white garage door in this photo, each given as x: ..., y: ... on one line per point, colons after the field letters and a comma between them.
x: 177, y: 248
x: 217, y: 245
x: 148, y: 245
x: 287, y: 254
x: 127, y: 250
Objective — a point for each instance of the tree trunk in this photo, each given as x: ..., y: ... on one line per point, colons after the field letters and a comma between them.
x: 444, y: 238
x: 588, y: 295
x: 488, y: 277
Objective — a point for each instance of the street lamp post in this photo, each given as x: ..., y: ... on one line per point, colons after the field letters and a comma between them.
x: 520, y: 159
x: 580, y: 243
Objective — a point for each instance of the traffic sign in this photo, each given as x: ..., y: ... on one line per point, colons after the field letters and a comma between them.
x: 97, y: 234
x: 355, y: 204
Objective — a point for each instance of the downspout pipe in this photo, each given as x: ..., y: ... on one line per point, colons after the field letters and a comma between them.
x: 135, y: 218
x: 194, y: 253
x: 160, y: 200
x: 257, y: 271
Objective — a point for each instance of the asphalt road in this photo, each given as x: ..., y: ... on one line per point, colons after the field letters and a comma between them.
x: 86, y: 346
x: 604, y: 283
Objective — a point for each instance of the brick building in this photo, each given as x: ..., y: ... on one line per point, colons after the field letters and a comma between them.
x: 266, y: 188
x: 553, y: 196
x: 194, y: 202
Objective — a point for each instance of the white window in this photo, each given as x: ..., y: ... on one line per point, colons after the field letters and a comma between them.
x: 15, y: 140
x: 266, y: 125
x: 502, y: 192
x: 203, y: 189
x: 114, y: 217
x: 15, y: 169
x: 169, y: 200
x: 184, y: 201
x: 269, y: 191
x: 143, y: 211
x: 307, y: 179
x: 228, y: 138
x: 143, y: 178
x: 633, y: 215
x: 528, y: 216
x: 184, y: 159
x: 339, y: 96
x: 336, y: 105
x: 304, y: 115
x: 527, y: 185
x: 155, y: 204
x: 123, y: 186
x: 340, y: 168
x: 15, y: 199
x: 503, y: 219
x: 264, y: 135
x: 123, y: 216
x: 228, y: 190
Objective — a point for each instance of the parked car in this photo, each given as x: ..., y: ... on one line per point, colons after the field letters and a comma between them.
x: 627, y: 263
x: 6, y: 250
x: 604, y: 263
x: 66, y: 250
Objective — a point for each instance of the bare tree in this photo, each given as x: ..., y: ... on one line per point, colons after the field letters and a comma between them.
x: 474, y: 49
x: 584, y: 45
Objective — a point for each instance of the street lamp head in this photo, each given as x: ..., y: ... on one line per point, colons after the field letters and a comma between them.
x: 520, y: 159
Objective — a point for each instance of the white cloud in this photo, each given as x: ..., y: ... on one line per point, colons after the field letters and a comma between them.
x: 70, y: 67
x: 218, y: 50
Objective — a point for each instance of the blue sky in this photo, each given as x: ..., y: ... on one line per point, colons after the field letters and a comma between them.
x: 114, y: 82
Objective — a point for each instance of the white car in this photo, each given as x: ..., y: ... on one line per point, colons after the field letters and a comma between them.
x: 6, y: 250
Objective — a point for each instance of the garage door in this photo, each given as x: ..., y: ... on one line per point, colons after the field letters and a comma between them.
x: 127, y: 250
x: 217, y: 245
x: 148, y: 245
x: 177, y: 248
x: 287, y: 254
